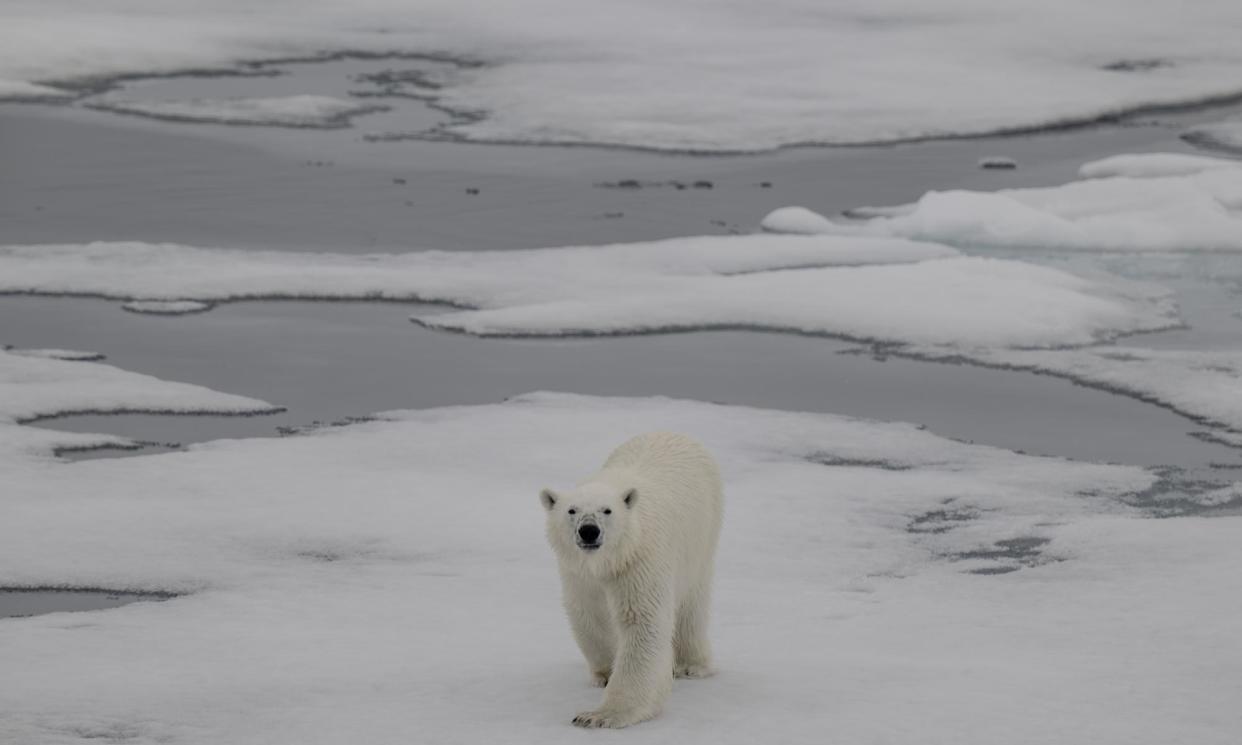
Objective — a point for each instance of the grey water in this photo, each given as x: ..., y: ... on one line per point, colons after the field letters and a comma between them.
x: 21, y: 602
x: 331, y: 361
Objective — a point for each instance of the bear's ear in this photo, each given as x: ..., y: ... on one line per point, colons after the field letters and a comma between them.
x: 548, y: 497
x: 630, y: 497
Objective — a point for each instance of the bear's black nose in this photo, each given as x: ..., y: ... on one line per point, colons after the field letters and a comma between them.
x: 588, y: 533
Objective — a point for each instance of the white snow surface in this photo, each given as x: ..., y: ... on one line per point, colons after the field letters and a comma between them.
x: 284, y: 111
x: 389, y: 582
x: 166, y: 307
x: 687, y: 74
x: 1157, y: 202
x: 859, y: 287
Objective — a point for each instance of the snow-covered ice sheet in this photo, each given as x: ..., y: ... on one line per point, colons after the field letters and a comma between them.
x: 684, y: 74
x: 858, y: 287
x: 389, y: 582
x: 323, y: 112
x: 1155, y: 202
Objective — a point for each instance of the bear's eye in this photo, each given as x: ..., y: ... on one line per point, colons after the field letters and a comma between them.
x: 572, y: 511
x: 607, y: 511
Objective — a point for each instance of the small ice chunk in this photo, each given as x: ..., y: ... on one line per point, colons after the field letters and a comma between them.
x: 321, y: 112
x: 167, y: 307
x: 998, y: 163
x: 797, y: 221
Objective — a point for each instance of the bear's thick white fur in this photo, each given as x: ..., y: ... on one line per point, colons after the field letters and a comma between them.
x: 638, y: 603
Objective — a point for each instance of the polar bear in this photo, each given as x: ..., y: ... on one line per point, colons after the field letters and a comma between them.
x: 636, y: 544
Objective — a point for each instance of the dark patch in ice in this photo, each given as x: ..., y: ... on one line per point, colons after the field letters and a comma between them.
x: 1177, y: 493
x: 23, y: 602
x: 472, y: 191
x: 765, y: 184
x: 942, y: 520
x: 1138, y: 65
x: 828, y: 459
x: 157, y: 411
x: 302, y: 429
x: 113, y: 733
x: 1010, y: 555
x: 131, y: 447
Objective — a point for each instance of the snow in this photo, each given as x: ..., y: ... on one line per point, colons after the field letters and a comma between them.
x: 1223, y: 135
x: 683, y: 74
x: 1157, y: 202
x: 1204, y: 385
x: 858, y: 287
x: 166, y: 307
x: 390, y: 580
x: 322, y: 112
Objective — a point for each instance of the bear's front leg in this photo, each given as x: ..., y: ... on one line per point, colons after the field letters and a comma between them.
x: 591, y: 620
x: 642, y: 674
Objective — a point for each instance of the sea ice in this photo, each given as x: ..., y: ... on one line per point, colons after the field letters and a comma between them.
x: 857, y: 287
x: 688, y: 75
x: 323, y: 112
x: 1155, y: 202
x: 390, y: 580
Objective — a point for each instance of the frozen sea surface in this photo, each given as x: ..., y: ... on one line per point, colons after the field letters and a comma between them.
x: 677, y: 74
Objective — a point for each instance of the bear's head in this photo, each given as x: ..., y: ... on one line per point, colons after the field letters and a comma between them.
x: 593, y: 524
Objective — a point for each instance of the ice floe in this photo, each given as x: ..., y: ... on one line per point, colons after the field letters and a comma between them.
x: 1224, y: 135
x: 860, y: 564
x: 1156, y: 202
x: 681, y: 74
x: 323, y: 112
x: 47, y: 383
x: 857, y: 287
x: 73, y: 355
x: 166, y: 307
